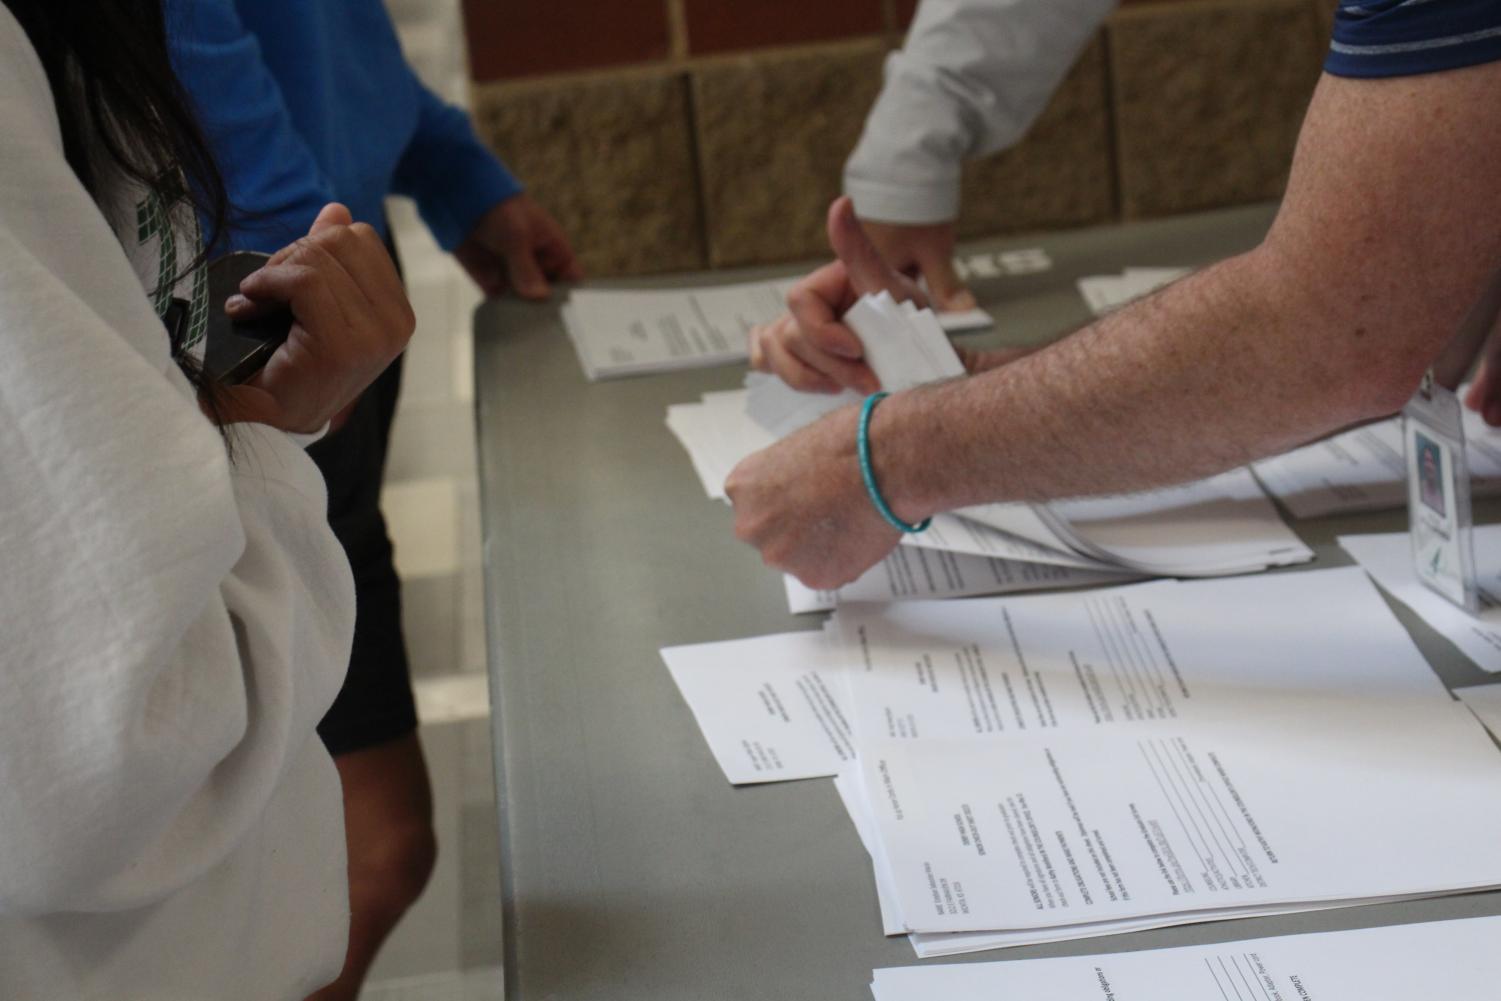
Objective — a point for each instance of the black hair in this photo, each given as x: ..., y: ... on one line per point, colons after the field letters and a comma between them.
x: 110, y: 71
x: 112, y: 79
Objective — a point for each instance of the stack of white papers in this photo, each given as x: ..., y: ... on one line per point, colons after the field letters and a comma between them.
x: 1106, y: 293
x: 1068, y: 765
x: 1439, y: 959
x: 1387, y: 557
x: 1364, y: 470
x: 904, y: 346
x: 623, y: 332
x: 1219, y: 526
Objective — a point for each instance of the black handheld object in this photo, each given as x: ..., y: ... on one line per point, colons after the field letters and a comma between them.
x: 234, y: 350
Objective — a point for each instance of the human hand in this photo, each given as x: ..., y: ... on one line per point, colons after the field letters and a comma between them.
x: 351, y: 319
x: 925, y: 251
x: 812, y: 348
x: 517, y: 245
x: 802, y: 503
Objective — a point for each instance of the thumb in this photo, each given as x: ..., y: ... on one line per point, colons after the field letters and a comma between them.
x: 526, y: 275
x: 868, y: 271
x: 944, y: 284
x: 333, y: 214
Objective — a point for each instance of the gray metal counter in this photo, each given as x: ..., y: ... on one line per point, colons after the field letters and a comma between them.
x: 631, y: 868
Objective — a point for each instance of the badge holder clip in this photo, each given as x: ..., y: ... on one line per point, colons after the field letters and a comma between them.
x: 1438, y: 494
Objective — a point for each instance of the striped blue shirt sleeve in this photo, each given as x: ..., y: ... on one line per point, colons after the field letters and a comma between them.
x: 1386, y: 38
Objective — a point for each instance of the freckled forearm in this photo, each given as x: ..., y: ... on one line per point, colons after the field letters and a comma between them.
x: 1211, y: 373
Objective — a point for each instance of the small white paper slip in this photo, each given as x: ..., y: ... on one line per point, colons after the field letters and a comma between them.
x: 904, y: 346
x: 1485, y: 702
x: 910, y: 572
x: 1387, y: 557
x: 771, y: 708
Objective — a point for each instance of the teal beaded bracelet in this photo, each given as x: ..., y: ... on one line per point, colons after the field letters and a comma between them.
x: 862, y: 445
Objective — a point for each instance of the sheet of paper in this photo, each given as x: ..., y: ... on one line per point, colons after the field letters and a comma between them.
x: 717, y: 433
x: 632, y: 331
x: 771, y: 708
x: 1013, y: 833
x: 779, y: 409
x: 1363, y: 469
x: 1200, y: 651
x: 622, y: 332
x: 910, y: 573
x: 1440, y: 959
x: 1387, y: 557
x: 1485, y: 702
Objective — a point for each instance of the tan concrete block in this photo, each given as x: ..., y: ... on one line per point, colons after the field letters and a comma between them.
x: 773, y: 133
x: 1208, y: 99
x: 611, y: 157
x: 1324, y: 11
x: 1060, y: 174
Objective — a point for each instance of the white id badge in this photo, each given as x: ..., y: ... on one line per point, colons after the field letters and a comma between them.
x: 1438, y: 494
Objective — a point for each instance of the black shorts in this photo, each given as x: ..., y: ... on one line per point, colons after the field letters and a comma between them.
x: 376, y: 704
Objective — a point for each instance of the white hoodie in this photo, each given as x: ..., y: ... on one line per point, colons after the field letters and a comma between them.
x: 172, y: 627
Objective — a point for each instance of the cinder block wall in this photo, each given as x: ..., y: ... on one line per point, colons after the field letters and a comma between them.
x: 670, y: 135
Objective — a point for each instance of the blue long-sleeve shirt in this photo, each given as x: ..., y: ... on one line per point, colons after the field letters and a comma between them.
x: 310, y: 102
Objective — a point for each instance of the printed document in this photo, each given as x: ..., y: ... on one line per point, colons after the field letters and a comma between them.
x: 1217, y: 526
x: 1439, y: 959
x: 1485, y: 702
x: 623, y: 332
x: 1363, y: 469
x: 771, y: 708
x: 1019, y: 832
x: 910, y: 573
x: 1205, y: 651
x: 1387, y: 557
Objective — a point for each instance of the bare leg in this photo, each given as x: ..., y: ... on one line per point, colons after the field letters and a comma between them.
x: 388, y: 818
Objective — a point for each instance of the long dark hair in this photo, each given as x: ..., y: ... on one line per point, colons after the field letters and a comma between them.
x: 111, y: 76
x: 112, y: 81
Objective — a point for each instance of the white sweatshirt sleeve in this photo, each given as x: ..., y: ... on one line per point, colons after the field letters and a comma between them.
x: 174, y: 624
x: 971, y: 79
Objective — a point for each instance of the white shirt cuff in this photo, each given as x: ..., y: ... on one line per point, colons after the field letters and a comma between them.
x: 304, y: 440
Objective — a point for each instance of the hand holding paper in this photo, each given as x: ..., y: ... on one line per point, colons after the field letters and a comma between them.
x: 818, y: 345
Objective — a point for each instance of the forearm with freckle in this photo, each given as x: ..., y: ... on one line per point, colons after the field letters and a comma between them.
x: 1390, y: 229
x: 1215, y: 371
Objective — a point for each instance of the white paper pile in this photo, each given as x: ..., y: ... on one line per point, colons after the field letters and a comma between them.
x: 1106, y: 293
x: 623, y: 332
x: 1437, y: 959
x: 1063, y: 766
x: 1215, y: 527
x: 1363, y: 469
x: 1387, y: 557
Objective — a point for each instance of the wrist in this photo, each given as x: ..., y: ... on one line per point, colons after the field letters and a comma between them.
x: 897, y: 459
